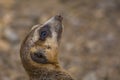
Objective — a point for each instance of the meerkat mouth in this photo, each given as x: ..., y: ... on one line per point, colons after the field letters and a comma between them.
x: 39, y: 57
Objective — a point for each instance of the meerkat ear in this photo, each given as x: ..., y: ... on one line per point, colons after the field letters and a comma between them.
x: 35, y: 26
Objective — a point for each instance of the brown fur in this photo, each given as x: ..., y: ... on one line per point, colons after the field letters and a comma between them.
x: 39, y: 55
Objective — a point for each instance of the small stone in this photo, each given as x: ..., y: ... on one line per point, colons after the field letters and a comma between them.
x: 10, y: 35
x: 90, y: 76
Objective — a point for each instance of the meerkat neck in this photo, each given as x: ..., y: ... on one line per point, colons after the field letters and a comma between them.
x: 43, y: 73
x: 48, y: 74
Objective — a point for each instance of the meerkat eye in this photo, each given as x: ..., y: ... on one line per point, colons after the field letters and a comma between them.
x: 43, y: 35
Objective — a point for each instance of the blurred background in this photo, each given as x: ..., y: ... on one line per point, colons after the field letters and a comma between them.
x: 90, y: 48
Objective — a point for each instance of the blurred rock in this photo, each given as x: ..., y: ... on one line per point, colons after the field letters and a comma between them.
x: 90, y: 76
x: 10, y: 35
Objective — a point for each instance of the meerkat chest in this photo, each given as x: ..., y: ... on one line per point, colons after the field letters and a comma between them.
x: 52, y: 76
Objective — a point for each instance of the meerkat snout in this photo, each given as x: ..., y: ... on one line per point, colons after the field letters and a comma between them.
x: 59, y: 17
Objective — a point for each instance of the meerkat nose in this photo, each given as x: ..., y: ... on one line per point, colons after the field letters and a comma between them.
x: 59, y: 18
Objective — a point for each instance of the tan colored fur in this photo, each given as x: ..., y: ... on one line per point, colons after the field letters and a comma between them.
x: 32, y: 44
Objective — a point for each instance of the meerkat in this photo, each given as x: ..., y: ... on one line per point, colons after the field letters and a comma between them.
x: 39, y: 51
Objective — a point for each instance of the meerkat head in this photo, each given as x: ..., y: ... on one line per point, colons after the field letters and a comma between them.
x: 40, y: 47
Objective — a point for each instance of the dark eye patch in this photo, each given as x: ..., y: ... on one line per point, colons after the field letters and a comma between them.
x: 45, y: 32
